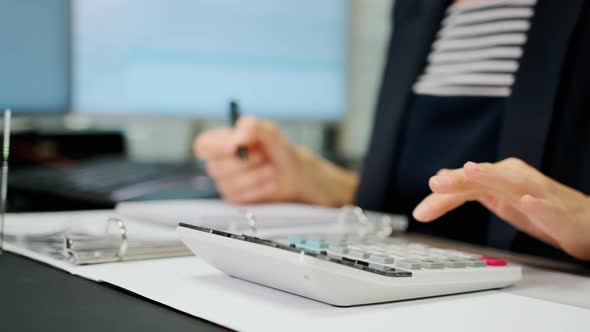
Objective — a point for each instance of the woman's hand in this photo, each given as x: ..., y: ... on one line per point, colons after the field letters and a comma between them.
x: 274, y: 170
x: 519, y: 194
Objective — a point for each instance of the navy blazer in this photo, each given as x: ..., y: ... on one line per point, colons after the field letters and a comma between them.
x: 547, y: 120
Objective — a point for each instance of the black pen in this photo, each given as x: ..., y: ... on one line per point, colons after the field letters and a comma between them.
x: 234, y: 115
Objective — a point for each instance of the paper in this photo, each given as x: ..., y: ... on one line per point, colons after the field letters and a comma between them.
x: 192, y: 286
x: 206, y: 212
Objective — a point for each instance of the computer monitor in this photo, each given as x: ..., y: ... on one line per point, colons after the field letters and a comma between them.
x: 284, y: 59
x: 34, y: 55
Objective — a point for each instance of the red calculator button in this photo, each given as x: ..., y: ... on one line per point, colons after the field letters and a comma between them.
x: 491, y: 261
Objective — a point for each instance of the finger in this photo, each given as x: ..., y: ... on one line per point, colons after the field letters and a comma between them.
x: 252, y: 132
x: 213, y: 144
x: 247, y: 181
x: 510, y: 176
x: 450, y: 182
x: 436, y: 205
x: 455, y: 182
x: 443, y: 171
x: 231, y: 166
x: 248, y: 130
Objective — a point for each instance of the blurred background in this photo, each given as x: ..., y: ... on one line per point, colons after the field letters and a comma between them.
x: 121, y: 87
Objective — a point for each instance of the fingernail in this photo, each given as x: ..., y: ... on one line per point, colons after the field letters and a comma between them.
x: 421, y: 211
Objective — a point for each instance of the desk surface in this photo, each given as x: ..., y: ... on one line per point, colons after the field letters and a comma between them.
x: 34, y: 296
x: 37, y: 297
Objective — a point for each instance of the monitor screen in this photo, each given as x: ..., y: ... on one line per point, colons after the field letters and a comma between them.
x: 34, y: 55
x: 278, y: 58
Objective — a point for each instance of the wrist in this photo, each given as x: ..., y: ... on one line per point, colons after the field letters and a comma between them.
x: 325, y: 183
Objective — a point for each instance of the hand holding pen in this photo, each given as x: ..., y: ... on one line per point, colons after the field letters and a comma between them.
x: 254, y: 162
x: 245, y: 159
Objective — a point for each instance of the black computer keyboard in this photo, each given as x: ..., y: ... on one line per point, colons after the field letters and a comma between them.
x: 107, y: 181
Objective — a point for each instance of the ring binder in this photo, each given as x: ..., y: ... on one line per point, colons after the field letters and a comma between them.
x: 113, y: 238
x: 124, y: 241
x: 82, y: 247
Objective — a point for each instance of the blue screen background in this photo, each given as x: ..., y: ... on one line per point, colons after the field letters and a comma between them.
x: 280, y: 59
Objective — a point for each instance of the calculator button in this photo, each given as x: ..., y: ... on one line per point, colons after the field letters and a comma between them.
x: 379, y: 267
x: 416, y: 258
x: 381, y: 259
x: 342, y: 250
x: 377, y: 252
x: 475, y: 263
x: 398, y: 257
x: 491, y: 261
x: 338, y: 254
x: 296, y: 240
x: 439, y: 257
x: 408, y: 265
x: 356, y: 247
x: 454, y: 264
x: 465, y: 255
x: 337, y: 242
x: 359, y: 254
x: 428, y: 264
x: 316, y: 243
x: 313, y: 245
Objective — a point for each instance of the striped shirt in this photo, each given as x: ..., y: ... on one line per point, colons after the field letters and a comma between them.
x: 478, y: 49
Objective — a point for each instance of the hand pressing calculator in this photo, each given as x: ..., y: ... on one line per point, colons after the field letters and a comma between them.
x: 347, y: 270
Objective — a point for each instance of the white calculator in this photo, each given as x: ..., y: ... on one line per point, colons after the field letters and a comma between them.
x: 344, y: 270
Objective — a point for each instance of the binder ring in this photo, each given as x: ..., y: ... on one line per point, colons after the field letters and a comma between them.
x: 251, y: 221
x: 243, y: 215
x: 360, y: 215
x: 124, y: 241
x: 386, y: 226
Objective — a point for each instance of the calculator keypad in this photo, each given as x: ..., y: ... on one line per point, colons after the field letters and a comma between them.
x: 380, y: 254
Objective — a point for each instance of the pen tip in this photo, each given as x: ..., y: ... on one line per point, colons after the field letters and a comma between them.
x: 234, y: 112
